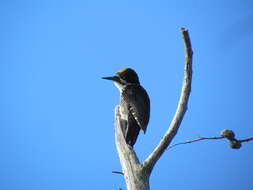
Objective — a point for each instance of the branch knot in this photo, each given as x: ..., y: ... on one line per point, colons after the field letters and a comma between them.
x: 230, y: 135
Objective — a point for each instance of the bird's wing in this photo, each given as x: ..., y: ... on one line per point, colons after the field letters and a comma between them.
x: 138, y: 105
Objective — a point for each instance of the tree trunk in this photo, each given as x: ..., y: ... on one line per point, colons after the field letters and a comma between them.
x: 136, y: 176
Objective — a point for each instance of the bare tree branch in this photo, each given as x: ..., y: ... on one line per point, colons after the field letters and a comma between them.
x: 226, y: 133
x: 181, y: 109
x: 246, y: 140
x: 135, y: 176
x: 195, y: 140
x: 117, y: 172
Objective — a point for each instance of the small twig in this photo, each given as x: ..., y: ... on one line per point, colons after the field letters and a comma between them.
x: 117, y: 172
x: 246, y: 140
x: 226, y: 133
x: 195, y: 140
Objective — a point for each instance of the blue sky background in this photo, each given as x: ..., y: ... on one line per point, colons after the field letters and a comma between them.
x: 56, y: 114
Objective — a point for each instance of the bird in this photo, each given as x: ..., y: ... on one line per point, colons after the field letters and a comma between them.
x: 134, y: 103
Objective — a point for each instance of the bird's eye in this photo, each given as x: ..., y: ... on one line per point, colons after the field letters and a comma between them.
x: 123, y: 81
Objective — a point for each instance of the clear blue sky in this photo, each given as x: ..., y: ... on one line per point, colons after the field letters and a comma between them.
x: 56, y: 114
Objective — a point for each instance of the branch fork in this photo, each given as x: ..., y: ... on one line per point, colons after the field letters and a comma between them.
x: 137, y: 174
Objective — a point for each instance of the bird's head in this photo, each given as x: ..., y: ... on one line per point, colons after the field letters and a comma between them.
x: 124, y: 77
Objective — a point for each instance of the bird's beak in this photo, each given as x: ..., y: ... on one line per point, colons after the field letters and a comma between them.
x: 113, y: 78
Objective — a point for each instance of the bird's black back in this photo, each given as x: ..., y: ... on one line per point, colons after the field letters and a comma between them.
x: 136, y: 103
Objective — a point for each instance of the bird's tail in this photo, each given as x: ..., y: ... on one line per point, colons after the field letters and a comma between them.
x: 132, y: 131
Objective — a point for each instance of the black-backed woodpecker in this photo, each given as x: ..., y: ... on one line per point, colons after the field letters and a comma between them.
x: 134, y: 103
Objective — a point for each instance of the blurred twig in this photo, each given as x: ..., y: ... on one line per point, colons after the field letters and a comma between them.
x: 226, y: 133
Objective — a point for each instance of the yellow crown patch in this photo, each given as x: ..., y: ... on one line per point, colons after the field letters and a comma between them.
x: 122, y: 70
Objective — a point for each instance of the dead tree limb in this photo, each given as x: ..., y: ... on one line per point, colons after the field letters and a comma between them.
x: 136, y: 177
x: 246, y: 140
x: 195, y: 140
x: 226, y: 133
x: 181, y: 108
x: 137, y: 174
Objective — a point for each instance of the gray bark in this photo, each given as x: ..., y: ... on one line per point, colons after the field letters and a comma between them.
x: 134, y: 173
